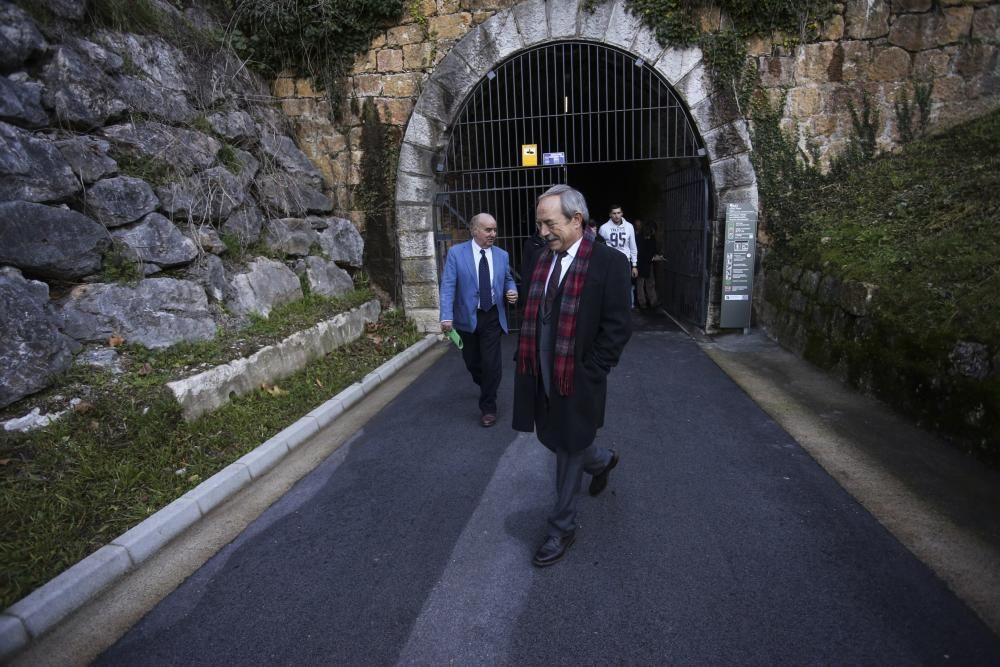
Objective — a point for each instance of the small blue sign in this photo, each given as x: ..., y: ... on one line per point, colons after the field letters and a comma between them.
x: 553, y: 158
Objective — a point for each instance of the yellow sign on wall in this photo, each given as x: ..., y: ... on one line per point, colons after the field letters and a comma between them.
x: 529, y: 155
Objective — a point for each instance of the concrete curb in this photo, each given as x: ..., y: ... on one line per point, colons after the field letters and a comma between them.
x: 40, y: 610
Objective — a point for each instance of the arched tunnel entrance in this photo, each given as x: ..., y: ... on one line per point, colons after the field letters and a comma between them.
x: 601, y: 120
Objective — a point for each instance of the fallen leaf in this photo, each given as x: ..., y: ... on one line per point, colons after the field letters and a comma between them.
x: 82, y: 408
x: 318, y: 383
x: 375, y: 339
x: 146, y: 369
x: 115, y: 341
x: 273, y: 390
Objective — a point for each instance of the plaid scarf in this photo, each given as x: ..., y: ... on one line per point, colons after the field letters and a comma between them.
x: 527, y: 348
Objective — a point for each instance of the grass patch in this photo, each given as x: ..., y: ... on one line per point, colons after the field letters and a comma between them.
x: 153, y: 171
x: 921, y: 225
x: 177, y: 361
x: 118, y: 267
x: 126, y: 452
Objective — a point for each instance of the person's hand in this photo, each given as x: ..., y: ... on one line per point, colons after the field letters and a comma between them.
x: 635, y: 272
x: 512, y: 296
x: 445, y: 326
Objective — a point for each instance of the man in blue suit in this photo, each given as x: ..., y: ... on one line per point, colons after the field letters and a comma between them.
x: 476, y: 280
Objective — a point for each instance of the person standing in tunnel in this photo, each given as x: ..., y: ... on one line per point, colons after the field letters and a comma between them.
x: 576, y: 324
x: 619, y: 234
x: 645, y: 282
x: 475, y: 281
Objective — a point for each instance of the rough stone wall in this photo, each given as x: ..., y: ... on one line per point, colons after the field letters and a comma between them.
x: 832, y: 323
x: 884, y: 48
x: 877, y: 46
x: 140, y: 181
x: 392, y: 74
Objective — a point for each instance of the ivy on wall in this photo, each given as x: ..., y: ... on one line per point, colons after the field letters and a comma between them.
x: 319, y: 38
x: 723, y: 45
x: 375, y: 197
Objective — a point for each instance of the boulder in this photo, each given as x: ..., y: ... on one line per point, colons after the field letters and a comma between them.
x: 21, y: 102
x: 105, y: 358
x: 287, y: 155
x: 19, y: 37
x: 88, y: 157
x: 290, y: 236
x: 212, y: 194
x: 237, y: 126
x: 120, y: 200
x: 161, y: 63
x: 249, y: 166
x: 288, y: 197
x: 109, y: 61
x: 50, y: 242
x: 266, y: 284
x: 147, y: 98
x: 32, y: 349
x: 81, y: 94
x: 342, y: 242
x: 325, y: 277
x: 970, y: 359
x: 156, y: 240
x: 32, y: 169
x: 245, y: 223
x: 186, y: 150
x: 210, y: 273
x: 214, y: 278
x: 156, y: 313
x: 205, y: 238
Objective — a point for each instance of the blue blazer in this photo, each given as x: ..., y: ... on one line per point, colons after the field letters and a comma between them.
x: 460, y: 286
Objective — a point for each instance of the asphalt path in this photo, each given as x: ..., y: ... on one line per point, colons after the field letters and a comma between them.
x: 719, y: 541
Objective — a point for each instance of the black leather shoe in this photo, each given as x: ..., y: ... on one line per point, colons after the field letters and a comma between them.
x: 553, y: 549
x: 600, y: 480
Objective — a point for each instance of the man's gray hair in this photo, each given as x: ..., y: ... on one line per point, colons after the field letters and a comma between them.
x: 477, y: 217
x: 571, y: 199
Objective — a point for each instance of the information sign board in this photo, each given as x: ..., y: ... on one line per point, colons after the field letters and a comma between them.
x: 738, y: 265
x: 554, y: 158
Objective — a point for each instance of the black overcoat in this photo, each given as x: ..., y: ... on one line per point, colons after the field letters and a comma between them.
x: 603, y: 327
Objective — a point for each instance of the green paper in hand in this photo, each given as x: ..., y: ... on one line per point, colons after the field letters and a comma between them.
x: 456, y: 339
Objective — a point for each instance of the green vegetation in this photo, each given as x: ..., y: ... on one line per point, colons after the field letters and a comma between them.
x: 119, y: 264
x: 228, y: 158
x: 375, y: 195
x: 138, y: 16
x: 152, y: 170
x: 319, y: 38
x: 922, y: 226
x: 680, y: 23
x: 125, y: 452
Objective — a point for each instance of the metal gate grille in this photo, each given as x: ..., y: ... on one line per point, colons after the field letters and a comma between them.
x: 591, y: 102
x: 682, y: 281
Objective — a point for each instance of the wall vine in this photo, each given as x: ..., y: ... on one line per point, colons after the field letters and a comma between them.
x: 317, y: 38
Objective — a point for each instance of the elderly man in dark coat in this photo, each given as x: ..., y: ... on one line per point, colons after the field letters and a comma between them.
x: 576, y: 323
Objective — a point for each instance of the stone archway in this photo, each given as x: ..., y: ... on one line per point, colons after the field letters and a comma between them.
x: 525, y: 25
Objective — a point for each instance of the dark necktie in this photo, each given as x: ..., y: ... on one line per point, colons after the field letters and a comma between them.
x: 485, y: 290
x: 553, y: 285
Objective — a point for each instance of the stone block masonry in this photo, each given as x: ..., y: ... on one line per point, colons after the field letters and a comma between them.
x: 835, y: 324
x: 207, y: 391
